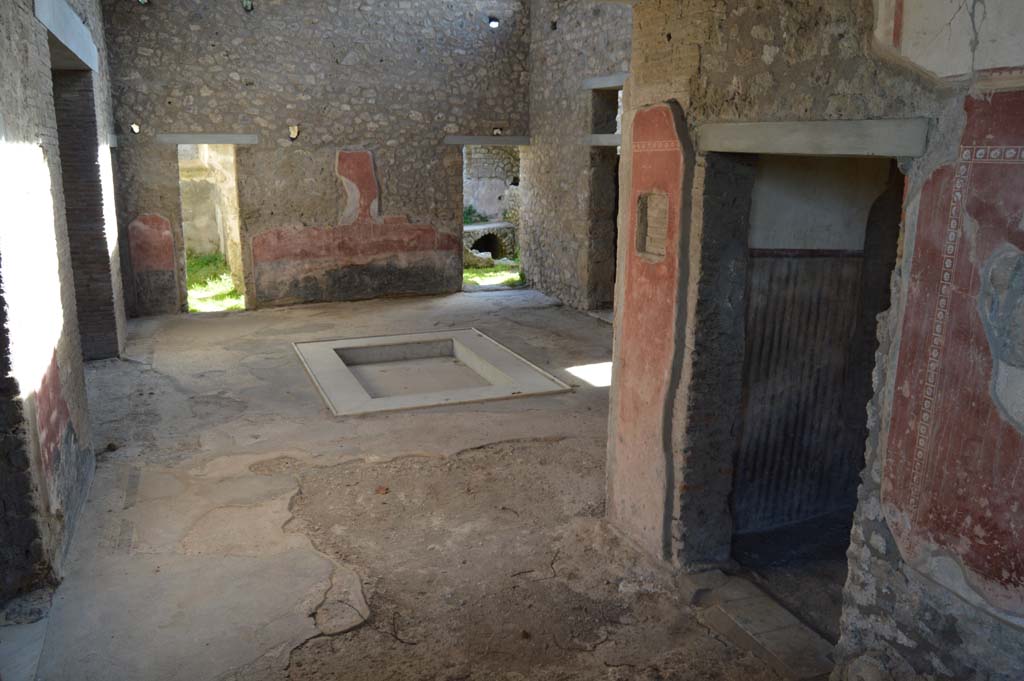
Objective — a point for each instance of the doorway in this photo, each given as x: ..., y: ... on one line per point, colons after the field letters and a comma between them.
x: 490, y: 216
x: 822, y: 246
x: 211, y: 226
x: 602, y: 239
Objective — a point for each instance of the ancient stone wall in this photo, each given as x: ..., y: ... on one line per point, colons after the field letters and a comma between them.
x: 48, y: 458
x: 392, y: 77
x: 567, y: 219
x: 78, y: 138
x: 490, y: 178
x: 934, y: 589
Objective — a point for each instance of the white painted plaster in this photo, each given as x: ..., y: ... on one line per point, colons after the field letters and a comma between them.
x: 940, y: 35
x: 814, y: 203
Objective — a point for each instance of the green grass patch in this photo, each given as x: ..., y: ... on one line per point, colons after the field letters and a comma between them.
x: 210, y: 287
x: 471, y: 216
x: 499, y: 275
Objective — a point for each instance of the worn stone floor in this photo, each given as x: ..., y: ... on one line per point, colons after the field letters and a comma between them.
x: 236, y: 530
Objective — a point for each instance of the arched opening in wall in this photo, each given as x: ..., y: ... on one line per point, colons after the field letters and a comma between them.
x: 490, y: 216
x: 823, y: 240
x: 211, y: 226
x: 489, y: 244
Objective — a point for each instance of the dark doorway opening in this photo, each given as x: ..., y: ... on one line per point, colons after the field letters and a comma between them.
x: 606, y: 111
x: 823, y: 243
x: 489, y: 243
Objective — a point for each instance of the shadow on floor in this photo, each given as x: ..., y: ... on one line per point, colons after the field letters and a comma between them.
x: 802, y: 566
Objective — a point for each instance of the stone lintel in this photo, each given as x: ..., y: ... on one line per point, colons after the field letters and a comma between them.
x: 890, y: 137
x: 70, y: 32
x: 489, y: 140
x: 613, y: 81
x: 207, y: 138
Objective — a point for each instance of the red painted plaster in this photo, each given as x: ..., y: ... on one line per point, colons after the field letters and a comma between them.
x: 52, y: 415
x: 357, y: 243
x: 953, y: 483
x: 357, y: 168
x: 647, y: 322
x: 897, y: 25
x: 289, y: 253
x: 151, y: 243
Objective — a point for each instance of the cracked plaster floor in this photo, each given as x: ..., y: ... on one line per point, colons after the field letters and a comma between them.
x: 238, y: 531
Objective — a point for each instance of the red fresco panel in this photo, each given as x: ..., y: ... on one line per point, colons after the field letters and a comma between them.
x: 355, y: 168
x: 52, y: 416
x: 648, y: 334
x: 953, y: 482
x: 151, y: 243
x: 284, y: 255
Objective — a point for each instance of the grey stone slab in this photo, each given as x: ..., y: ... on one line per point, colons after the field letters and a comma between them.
x: 64, y: 24
x: 759, y: 615
x: 764, y: 627
x: 735, y: 589
x: 487, y: 226
x: 410, y: 371
x: 489, y: 140
x: 603, y: 140
x: 207, y: 138
x: 613, y: 81
x: 798, y: 652
x: 890, y: 137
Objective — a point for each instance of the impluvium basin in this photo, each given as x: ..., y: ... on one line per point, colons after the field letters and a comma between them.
x: 410, y: 371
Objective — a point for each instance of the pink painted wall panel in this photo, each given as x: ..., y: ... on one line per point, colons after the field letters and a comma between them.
x: 640, y: 472
x: 151, y: 243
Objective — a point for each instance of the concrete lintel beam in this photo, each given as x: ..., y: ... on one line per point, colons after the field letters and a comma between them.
x: 207, y: 138
x: 489, y: 140
x: 69, y: 31
x: 888, y: 137
x: 614, y: 81
x: 609, y: 140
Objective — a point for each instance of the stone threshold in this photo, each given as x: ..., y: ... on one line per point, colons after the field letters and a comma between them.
x: 752, y: 620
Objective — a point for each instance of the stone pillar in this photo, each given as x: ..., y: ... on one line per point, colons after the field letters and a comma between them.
x: 650, y: 328
x: 679, y: 341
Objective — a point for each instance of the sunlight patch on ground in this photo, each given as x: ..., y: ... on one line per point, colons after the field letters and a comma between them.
x: 598, y: 375
x: 210, y: 287
x: 507, y: 275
